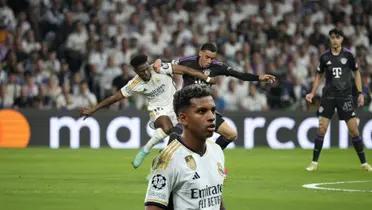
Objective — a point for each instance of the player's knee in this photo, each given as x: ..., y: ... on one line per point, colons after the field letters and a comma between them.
x: 354, y: 133
x: 322, y: 131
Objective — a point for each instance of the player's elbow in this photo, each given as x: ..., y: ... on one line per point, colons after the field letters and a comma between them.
x: 232, y: 135
x: 167, y: 129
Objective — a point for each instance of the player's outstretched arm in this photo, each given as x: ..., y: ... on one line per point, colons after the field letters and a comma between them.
x: 179, y: 69
x: 88, y: 111
x: 228, y: 71
x: 316, y: 83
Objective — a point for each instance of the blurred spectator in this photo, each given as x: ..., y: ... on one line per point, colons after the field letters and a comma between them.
x: 98, y: 59
x: 84, y: 98
x: 11, y: 90
x: 24, y: 100
x: 121, y: 80
x: 53, y: 88
x: 108, y: 75
x: 29, y: 44
x: 255, y: 101
x: 76, y: 46
x: 7, y: 19
x: 231, y: 98
x: 90, y: 41
x: 65, y: 100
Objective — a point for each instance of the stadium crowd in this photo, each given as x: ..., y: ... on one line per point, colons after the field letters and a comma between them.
x: 69, y: 54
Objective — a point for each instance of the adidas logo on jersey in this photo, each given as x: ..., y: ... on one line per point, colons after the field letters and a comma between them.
x: 196, y: 176
x: 329, y: 63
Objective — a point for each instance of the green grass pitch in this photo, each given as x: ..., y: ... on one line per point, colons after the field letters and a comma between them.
x: 258, y: 179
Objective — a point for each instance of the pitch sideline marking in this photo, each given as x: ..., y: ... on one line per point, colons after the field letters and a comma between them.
x: 316, y: 186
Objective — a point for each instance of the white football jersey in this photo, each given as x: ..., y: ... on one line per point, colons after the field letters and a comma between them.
x: 159, y: 90
x: 185, y: 178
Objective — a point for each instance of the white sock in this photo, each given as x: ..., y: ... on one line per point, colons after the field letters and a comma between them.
x: 158, y: 136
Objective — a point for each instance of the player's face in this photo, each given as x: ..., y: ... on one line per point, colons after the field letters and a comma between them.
x: 143, y: 71
x: 206, y: 58
x: 336, y: 40
x: 199, y: 118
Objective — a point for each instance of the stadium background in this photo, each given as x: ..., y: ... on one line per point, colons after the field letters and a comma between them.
x: 57, y: 56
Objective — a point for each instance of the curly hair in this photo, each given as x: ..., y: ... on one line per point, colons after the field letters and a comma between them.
x: 182, y: 98
x: 138, y: 60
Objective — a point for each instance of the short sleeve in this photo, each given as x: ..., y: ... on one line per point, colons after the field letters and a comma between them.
x: 220, y: 68
x: 175, y: 61
x: 166, y: 68
x: 353, y: 65
x: 131, y: 87
x: 321, y: 66
x: 160, y: 187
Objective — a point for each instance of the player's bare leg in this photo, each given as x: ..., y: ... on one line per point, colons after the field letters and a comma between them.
x: 228, y: 134
x: 318, y: 143
x: 163, y: 126
x: 352, y: 125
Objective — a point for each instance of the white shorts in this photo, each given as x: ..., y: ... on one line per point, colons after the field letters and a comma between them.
x: 162, y: 111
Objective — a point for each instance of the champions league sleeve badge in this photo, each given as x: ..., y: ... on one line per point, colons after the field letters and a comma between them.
x: 158, y: 182
x: 190, y: 162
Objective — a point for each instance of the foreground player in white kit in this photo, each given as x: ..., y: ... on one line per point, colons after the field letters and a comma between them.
x: 189, y: 173
x: 159, y: 90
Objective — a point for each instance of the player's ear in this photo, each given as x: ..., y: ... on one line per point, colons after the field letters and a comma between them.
x: 182, y: 118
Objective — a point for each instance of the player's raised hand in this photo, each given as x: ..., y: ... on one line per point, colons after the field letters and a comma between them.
x: 360, y: 100
x: 157, y: 65
x: 309, y: 97
x: 86, y: 112
x: 267, y: 78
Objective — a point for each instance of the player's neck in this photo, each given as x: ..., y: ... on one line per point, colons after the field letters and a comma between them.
x: 336, y: 50
x: 194, y: 143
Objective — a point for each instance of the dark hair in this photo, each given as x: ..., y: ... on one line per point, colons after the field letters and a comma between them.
x: 183, y: 97
x: 138, y: 60
x: 336, y: 32
x: 209, y: 46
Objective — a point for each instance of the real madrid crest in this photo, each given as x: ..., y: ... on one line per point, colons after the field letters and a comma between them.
x: 190, y: 162
x: 343, y: 60
x: 220, y: 169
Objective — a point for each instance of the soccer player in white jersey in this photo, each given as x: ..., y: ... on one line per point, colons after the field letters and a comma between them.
x: 189, y: 172
x: 158, y: 88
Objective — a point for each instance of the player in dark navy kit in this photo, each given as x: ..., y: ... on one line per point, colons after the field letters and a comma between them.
x: 338, y: 65
x: 206, y: 63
